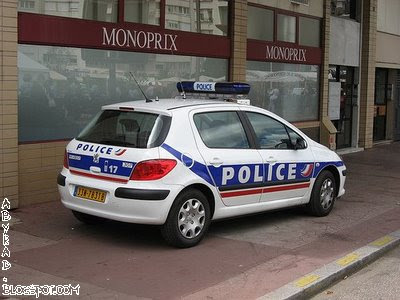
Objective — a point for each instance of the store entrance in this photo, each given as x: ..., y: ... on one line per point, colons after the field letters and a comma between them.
x: 381, y: 84
x: 344, y: 75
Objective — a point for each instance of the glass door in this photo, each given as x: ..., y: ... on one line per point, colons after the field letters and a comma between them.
x: 381, y: 80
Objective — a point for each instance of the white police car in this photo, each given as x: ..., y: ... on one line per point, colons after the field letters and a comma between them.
x: 181, y: 163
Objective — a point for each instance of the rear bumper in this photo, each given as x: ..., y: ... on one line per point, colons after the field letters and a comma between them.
x: 135, y: 202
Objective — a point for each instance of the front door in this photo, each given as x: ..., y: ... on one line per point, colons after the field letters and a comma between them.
x: 288, y: 168
x: 233, y: 162
x: 381, y: 80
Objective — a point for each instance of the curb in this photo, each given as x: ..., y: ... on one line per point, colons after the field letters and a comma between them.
x: 322, y: 278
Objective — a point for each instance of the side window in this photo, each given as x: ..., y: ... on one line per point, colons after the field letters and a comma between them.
x: 296, y: 139
x: 221, y: 130
x: 270, y: 133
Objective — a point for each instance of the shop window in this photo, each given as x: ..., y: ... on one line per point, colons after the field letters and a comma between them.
x: 309, y: 32
x: 289, y: 90
x: 203, y: 16
x: 346, y: 9
x: 143, y: 11
x: 66, y: 87
x: 260, y: 24
x: 286, y: 28
x: 99, y: 10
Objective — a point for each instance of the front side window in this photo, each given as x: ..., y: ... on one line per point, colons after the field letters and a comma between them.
x: 221, y: 130
x: 122, y: 128
x: 202, y: 16
x: 270, y: 133
x: 143, y: 11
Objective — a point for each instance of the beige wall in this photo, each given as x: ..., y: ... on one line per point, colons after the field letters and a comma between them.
x: 8, y: 102
x: 315, y: 8
x: 39, y: 165
x: 387, y: 50
x: 388, y: 16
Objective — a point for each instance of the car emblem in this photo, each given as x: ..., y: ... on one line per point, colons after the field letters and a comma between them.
x: 96, y: 158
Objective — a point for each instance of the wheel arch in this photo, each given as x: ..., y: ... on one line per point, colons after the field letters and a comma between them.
x: 336, y: 175
x: 206, y: 191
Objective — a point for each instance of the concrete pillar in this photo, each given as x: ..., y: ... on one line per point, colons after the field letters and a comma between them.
x: 328, y: 130
x: 8, y: 102
x: 237, y: 68
x: 367, y: 80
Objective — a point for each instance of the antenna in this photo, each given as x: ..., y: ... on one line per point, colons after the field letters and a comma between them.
x: 180, y: 80
x: 145, y: 97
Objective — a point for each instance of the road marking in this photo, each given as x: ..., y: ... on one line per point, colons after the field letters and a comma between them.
x: 306, y: 280
x: 344, y: 261
x: 382, y: 241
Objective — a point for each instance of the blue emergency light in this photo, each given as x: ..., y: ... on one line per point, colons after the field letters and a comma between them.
x: 232, y: 88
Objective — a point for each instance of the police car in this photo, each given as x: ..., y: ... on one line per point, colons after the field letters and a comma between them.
x: 181, y: 163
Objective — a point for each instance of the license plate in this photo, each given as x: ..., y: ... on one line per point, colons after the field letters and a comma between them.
x: 90, y: 194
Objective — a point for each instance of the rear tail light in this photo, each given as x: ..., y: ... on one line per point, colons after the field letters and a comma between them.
x: 152, y: 169
x: 66, y: 160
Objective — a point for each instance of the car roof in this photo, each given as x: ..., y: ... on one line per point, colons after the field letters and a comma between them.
x: 164, y: 105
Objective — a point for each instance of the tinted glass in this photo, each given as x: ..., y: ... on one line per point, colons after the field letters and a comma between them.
x: 99, y: 10
x: 260, y: 24
x: 203, y: 16
x: 288, y: 90
x: 270, y: 133
x: 120, y: 128
x: 286, y: 28
x: 221, y: 130
x: 67, y: 86
x: 309, y: 32
x: 143, y: 11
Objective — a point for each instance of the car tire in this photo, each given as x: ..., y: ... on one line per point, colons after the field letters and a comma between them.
x: 87, y: 219
x: 188, y: 219
x: 323, y: 195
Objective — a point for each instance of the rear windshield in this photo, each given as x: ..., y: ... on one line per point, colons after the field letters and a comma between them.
x: 126, y: 128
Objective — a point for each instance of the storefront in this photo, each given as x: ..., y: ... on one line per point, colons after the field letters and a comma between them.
x: 73, y: 57
x: 283, y: 64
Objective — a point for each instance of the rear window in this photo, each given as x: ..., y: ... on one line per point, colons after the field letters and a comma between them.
x: 126, y: 128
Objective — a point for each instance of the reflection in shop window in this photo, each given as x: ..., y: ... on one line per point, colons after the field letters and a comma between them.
x: 143, y: 11
x: 286, y: 28
x: 346, y: 9
x: 203, y: 16
x: 260, y: 24
x: 289, y: 90
x: 60, y: 88
x: 99, y: 10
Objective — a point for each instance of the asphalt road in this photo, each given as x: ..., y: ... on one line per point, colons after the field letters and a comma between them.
x: 379, y: 280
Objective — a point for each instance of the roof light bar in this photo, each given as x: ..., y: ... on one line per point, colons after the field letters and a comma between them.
x: 232, y: 88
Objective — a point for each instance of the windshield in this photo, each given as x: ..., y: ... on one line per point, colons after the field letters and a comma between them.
x: 126, y: 128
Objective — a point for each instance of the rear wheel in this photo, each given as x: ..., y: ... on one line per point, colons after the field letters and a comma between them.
x: 323, y: 195
x: 87, y: 219
x: 188, y: 220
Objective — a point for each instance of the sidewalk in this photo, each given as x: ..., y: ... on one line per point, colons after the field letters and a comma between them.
x: 240, y: 259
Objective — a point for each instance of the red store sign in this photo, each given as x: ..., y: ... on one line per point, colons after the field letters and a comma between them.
x: 282, y: 52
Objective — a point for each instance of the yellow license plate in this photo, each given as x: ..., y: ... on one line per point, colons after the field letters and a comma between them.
x: 90, y: 194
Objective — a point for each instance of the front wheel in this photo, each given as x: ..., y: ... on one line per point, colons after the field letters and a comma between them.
x: 188, y: 219
x: 323, y: 195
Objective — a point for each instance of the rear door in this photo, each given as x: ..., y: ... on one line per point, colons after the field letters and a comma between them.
x: 231, y: 158
x: 288, y: 168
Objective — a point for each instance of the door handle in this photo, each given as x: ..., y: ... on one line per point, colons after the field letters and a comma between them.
x: 216, y: 162
x: 271, y: 160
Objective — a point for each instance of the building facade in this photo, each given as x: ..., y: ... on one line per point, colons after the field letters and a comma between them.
x: 312, y: 62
